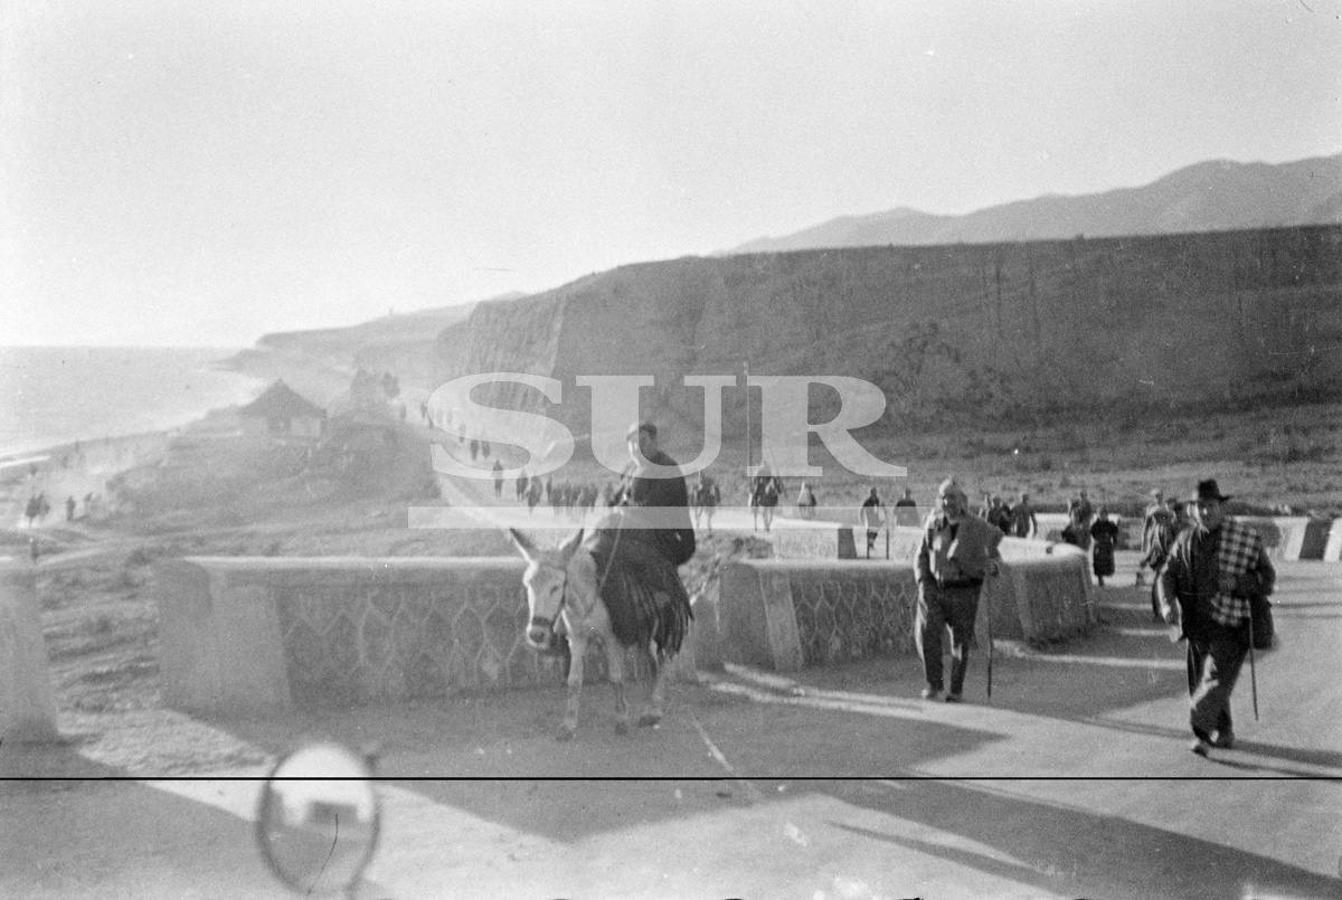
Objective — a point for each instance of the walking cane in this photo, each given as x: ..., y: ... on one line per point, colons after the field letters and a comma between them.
x: 990, y: 644
x: 1253, y: 675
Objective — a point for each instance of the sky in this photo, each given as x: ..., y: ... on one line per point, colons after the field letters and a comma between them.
x: 202, y: 174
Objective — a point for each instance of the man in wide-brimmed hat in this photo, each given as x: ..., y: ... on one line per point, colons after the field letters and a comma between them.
x: 1205, y: 586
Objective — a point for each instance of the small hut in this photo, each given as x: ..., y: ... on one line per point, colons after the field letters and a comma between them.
x: 285, y: 412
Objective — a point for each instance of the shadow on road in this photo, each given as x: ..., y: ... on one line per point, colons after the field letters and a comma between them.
x: 1306, y: 757
x: 1084, y: 854
x: 77, y: 828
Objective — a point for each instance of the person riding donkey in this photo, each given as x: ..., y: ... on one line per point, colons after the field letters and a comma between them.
x: 628, y: 567
x: 638, y: 559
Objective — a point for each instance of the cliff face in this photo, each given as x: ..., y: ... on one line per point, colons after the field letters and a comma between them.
x: 951, y: 333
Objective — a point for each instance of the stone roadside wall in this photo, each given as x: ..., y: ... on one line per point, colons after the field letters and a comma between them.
x: 786, y: 614
x: 264, y: 634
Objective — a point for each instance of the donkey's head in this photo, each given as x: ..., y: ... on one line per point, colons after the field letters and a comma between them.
x: 546, y: 580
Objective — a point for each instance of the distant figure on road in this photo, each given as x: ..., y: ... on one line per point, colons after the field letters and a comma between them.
x: 997, y: 514
x: 765, y: 490
x: 1104, y: 531
x: 1162, y: 542
x: 498, y: 478
x: 70, y: 508
x: 1023, y: 521
x: 906, y: 510
x: 957, y: 552
x: 806, y: 501
x: 1155, y: 521
x: 1079, y: 516
x: 872, y: 514
x: 1206, y: 587
x: 706, y: 497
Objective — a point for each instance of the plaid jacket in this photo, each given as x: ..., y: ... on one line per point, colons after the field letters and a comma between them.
x: 1197, y: 561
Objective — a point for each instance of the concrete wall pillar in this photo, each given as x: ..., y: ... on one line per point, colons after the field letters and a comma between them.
x: 759, y: 624
x: 27, y: 699
x: 1332, y: 550
x: 220, y: 636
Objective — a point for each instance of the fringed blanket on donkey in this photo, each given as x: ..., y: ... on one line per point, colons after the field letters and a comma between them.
x: 641, y: 588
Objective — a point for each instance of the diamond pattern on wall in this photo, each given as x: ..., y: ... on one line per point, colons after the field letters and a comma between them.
x: 365, y: 643
x: 853, y: 617
x: 1054, y: 606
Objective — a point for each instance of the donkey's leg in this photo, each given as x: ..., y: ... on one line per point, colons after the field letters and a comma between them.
x: 615, y: 669
x: 578, y: 655
x: 657, y: 694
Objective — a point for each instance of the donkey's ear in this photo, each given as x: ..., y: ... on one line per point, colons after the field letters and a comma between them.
x: 522, y: 543
x: 567, y: 548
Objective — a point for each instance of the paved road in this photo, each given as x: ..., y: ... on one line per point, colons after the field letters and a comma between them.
x: 837, y: 783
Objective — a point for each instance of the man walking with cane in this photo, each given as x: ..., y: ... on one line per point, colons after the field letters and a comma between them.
x: 957, y: 552
x: 1212, y: 572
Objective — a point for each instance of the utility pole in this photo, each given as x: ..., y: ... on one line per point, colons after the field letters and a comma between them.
x: 746, y: 365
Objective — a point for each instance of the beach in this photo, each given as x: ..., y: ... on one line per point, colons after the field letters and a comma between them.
x: 82, y: 472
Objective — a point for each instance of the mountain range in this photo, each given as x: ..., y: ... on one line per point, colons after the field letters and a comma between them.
x: 1211, y: 196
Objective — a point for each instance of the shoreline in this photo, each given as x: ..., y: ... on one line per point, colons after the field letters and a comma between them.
x: 86, y: 469
x: 80, y: 470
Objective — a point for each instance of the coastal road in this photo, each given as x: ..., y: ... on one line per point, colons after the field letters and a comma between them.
x: 472, y: 504
x: 1073, y: 781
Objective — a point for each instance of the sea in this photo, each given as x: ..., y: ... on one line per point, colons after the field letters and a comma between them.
x: 51, y: 396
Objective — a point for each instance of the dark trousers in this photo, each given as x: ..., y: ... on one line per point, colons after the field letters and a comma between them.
x: 939, y: 607
x: 1214, y: 661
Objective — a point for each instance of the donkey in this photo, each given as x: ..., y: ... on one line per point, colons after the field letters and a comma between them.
x: 569, y: 586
